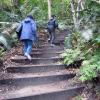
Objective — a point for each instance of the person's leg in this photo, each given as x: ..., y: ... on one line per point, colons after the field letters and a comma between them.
x: 25, y: 46
x: 29, y: 48
x: 53, y: 37
x: 49, y: 35
x: 30, y: 43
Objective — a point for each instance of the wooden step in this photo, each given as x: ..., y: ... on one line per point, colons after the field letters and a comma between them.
x: 46, y: 46
x: 22, y: 59
x: 35, y: 68
x: 44, y: 55
x: 53, y: 91
x: 43, y: 78
x: 21, y: 79
x: 48, y: 50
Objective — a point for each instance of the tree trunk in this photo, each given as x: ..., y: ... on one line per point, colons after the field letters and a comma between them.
x: 62, y: 12
x: 49, y: 9
x: 15, y: 2
x: 74, y: 14
x: 80, y: 7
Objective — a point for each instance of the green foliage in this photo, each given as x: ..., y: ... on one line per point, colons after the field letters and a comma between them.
x: 90, y: 49
x: 3, y: 16
x: 4, y: 42
x: 6, y: 3
x: 67, y: 42
x: 79, y: 97
x: 70, y: 55
x: 90, y: 67
x: 7, y: 41
x: 1, y: 52
x: 87, y: 50
x: 38, y: 8
x: 97, y: 40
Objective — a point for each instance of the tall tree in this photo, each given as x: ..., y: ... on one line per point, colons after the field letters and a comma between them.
x: 76, y: 8
x: 73, y: 13
x: 49, y: 9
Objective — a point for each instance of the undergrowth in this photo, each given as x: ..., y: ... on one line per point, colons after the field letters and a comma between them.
x: 89, y: 52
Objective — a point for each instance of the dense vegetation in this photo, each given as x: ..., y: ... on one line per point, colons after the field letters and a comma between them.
x: 86, y: 41
x: 82, y: 17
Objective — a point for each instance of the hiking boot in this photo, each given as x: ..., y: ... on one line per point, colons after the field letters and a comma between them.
x: 48, y: 40
x: 28, y: 56
x: 52, y: 45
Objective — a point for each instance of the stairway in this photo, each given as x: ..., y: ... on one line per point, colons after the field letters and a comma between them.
x: 44, y: 78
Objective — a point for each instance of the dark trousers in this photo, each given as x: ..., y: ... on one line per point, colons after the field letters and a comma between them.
x: 52, y: 36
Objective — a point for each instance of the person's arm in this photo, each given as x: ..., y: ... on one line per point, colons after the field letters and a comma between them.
x: 19, y: 28
x: 34, y: 27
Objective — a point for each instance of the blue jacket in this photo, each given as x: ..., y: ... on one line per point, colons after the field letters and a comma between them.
x: 28, y: 29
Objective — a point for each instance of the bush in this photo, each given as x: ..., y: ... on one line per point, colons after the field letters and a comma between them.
x: 90, y: 68
x: 71, y: 55
x: 7, y: 41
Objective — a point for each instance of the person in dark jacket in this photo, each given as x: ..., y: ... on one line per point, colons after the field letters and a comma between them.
x: 28, y: 34
x: 51, y: 26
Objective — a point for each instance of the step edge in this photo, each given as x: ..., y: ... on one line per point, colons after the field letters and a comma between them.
x: 45, y: 65
x: 38, y: 94
x: 41, y: 76
x: 23, y: 58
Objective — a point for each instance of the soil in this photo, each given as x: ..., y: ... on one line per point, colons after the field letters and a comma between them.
x: 5, y: 62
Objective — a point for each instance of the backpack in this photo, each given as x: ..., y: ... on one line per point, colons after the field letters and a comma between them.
x: 51, y: 25
x: 56, y: 24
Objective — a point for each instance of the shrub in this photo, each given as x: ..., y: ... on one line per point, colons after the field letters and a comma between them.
x: 90, y: 68
x: 71, y: 55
